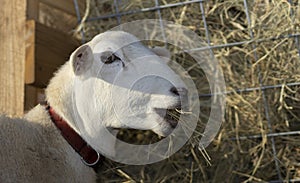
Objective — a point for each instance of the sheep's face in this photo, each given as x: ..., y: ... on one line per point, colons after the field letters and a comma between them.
x: 120, y: 83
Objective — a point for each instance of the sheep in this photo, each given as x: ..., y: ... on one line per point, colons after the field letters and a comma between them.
x: 116, y: 63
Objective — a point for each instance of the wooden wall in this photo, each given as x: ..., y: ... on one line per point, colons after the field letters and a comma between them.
x: 48, y: 43
x: 31, y: 50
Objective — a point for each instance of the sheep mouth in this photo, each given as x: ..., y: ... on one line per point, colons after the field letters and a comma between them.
x: 170, y: 115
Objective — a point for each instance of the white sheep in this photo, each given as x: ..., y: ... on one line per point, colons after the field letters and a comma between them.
x: 115, y: 82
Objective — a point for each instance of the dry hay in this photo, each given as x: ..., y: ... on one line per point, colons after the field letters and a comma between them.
x: 273, y: 61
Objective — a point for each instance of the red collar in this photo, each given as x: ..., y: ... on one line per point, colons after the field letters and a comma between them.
x: 89, y: 156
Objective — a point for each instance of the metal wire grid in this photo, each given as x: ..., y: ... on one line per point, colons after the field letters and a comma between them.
x: 210, y: 47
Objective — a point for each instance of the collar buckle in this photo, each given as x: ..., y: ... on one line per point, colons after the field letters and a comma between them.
x: 92, y: 164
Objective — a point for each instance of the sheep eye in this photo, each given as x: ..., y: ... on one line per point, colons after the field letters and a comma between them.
x: 109, y: 58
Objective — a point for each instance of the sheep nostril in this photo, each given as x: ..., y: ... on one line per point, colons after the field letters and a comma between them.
x: 179, y: 91
x: 174, y: 91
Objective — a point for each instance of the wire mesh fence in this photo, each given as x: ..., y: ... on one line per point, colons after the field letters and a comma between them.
x: 257, y: 43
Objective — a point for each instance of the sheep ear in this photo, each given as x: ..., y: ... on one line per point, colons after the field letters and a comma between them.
x: 81, y: 59
x: 162, y: 52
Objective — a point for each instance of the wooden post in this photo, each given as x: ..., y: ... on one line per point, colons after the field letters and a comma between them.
x: 12, y: 56
x: 32, y: 14
x: 30, y: 52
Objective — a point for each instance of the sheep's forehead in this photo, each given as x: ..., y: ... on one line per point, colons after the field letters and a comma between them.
x: 118, y: 41
x: 114, y: 38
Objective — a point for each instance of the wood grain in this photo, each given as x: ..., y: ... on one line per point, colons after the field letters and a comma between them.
x: 30, y: 52
x: 12, y: 56
x: 52, y: 49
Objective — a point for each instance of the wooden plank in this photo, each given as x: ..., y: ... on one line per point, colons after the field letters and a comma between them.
x: 30, y: 52
x: 57, y: 19
x: 33, y: 96
x: 52, y: 49
x: 30, y: 97
x: 32, y: 9
x: 66, y: 6
x: 12, y: 60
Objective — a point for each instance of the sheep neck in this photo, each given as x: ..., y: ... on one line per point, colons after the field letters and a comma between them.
x: 90, y: 156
